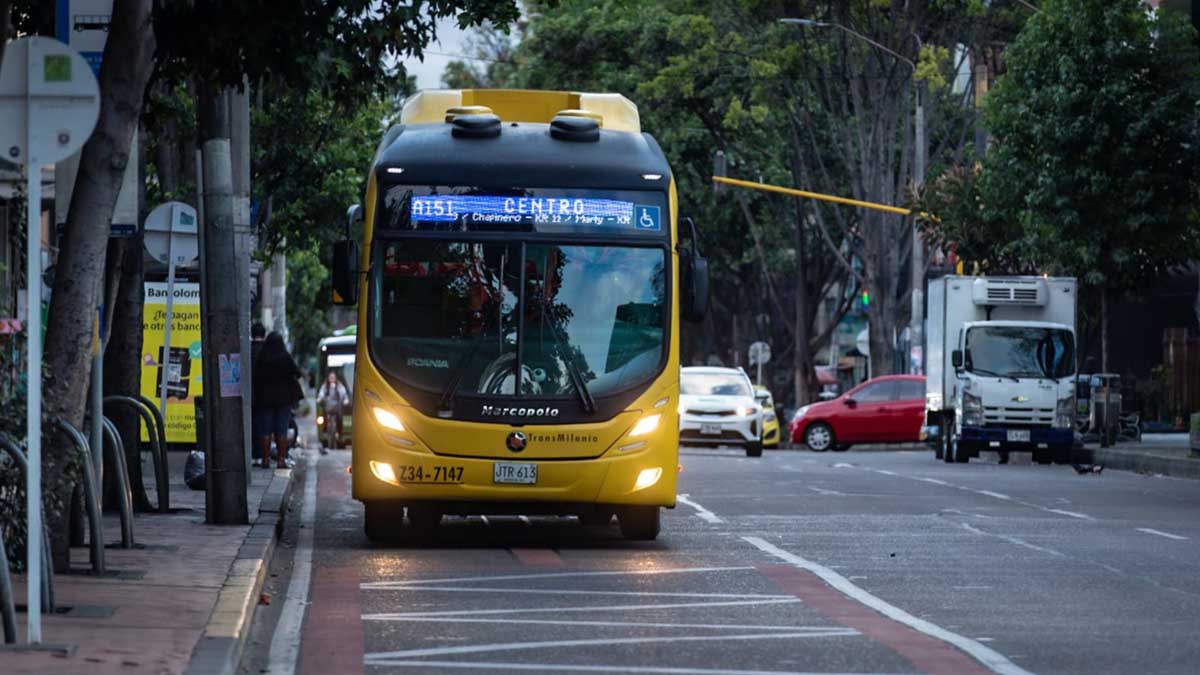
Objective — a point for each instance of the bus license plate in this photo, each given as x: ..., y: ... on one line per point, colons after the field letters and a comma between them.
x: 710, y: 429
x: 519, y: 473
x: 1018, y: 435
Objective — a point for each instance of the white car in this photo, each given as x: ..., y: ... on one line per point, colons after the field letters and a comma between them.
x: 717, y: 407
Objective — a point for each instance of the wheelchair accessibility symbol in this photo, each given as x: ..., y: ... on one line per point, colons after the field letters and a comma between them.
x: 646, y: 217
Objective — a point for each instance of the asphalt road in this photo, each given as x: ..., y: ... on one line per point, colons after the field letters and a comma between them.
x: 880, y: 562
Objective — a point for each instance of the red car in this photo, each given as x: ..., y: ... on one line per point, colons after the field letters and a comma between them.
x: 889, y: 409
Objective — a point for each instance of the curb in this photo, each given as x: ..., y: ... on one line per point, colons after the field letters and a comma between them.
x: 219, y: 651
x: 1111, y: 458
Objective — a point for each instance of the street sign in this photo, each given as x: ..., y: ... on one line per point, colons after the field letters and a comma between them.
x: 171, y: 231
x: 84, y: 24
x: 49, y: 101
x: 760, y: 353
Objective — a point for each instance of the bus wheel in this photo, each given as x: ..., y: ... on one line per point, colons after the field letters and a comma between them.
x: 640, y: 523
x: 382, y: 521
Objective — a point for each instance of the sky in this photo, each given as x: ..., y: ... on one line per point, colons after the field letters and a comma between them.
x: 448, y: 47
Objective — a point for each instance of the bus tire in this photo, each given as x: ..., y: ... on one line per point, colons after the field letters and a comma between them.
x: 423, y: 521
x: 640, y: 523
x: 754, y: 449
x: 382, y: 521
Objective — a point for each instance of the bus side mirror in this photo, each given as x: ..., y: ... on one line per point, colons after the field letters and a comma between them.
x: 956, y: 358
x: 344, y: 272
x: 693, y: 279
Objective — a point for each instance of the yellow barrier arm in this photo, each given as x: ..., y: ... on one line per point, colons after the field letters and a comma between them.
x: 811, y: 195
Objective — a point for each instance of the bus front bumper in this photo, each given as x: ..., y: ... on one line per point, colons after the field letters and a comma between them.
x: 645, y: 477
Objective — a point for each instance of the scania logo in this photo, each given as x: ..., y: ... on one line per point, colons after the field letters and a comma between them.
x: 507, y: 411
x: 516, y: 441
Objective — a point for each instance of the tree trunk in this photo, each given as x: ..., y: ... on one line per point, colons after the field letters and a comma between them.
x: 5, y: 25
x: 128, y: 57
x: 804, y: 376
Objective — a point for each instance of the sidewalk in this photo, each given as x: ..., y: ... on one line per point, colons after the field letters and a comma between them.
x: 181, y: 601
x: 1166, y: 454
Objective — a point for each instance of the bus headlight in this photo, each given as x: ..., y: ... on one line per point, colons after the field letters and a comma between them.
x: 647, y: 477
x: 646, y: 425
x: 387, y: 419
x: 384, y: 472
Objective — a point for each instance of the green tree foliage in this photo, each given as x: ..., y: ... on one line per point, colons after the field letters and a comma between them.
x: 1097, y: 141
x: 309, y: 296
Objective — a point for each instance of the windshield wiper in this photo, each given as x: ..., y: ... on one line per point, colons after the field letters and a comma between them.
x: 988, y: 373
x: 456, y: 377
x: 585, y: 396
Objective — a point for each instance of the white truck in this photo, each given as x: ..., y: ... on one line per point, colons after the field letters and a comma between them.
x: 1000, y: 371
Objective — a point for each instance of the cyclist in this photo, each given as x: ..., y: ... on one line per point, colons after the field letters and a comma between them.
x: 333, y: 398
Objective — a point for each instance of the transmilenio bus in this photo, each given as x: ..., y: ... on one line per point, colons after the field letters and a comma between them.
x: 522, y: 285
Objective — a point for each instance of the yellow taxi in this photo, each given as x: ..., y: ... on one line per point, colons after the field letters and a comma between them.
x: 770, y: 424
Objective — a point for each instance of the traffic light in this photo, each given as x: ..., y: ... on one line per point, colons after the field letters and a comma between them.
x: 866, y: 299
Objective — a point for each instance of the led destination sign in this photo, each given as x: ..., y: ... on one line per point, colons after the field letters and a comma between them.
x: 563, y: 211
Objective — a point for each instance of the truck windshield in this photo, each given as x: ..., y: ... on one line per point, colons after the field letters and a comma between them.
x: 1020, y: 351
x: 457, y: 316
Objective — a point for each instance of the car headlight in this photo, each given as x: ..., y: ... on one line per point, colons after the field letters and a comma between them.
x: 320, y: 420
x: 972, y: 410
x: 746, y: 410
x: 1064, y: 413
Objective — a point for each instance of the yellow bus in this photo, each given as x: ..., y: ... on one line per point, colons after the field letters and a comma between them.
x: 522, y: 281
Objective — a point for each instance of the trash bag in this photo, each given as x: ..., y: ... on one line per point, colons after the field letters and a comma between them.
x: 193, y: 471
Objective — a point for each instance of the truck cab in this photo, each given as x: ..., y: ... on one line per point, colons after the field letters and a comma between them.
x: 1002, y: 367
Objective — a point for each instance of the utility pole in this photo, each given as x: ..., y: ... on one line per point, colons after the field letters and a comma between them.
x: 220, y: 320
x: 915, y: 328
x: 239, y: 128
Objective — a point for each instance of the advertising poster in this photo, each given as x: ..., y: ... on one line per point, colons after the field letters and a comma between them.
x: 180, y: 364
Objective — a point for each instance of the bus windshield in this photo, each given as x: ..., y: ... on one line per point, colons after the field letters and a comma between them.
x: 1020, y: 351
x: 448, y: 315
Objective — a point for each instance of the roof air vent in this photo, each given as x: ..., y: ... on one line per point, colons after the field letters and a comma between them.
x: 451, y: 113
x: 575, y: 128
x: 475, y: 126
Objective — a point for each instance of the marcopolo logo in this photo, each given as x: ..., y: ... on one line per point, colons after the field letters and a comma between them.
x: 506, y: 411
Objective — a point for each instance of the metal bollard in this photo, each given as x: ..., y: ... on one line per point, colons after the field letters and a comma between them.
x: 114, y: 442
x: 10, y: 446
x: 90, y: 498
x: 8, y: 607
x: 161, y: 480
x: 158, y: 446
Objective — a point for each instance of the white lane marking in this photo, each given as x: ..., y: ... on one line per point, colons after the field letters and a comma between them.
x: 589, y: 608
x: 827, y: 492
x: 1062, y: 512
x: 572, y: 667
x: 844, y: 465
x: 619, y: 624
x: 601, y: 642
x: 1160, y: 533
x: 704, y: 513
x: 285, y: 643
x: 557, y: 575
x: 571, y: 591
x: 1014, y: 540
x: 988, y: 657
x: 986, y: 493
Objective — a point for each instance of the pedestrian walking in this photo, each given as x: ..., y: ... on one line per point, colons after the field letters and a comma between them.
x: 274, y: 393
x: 333, y: 399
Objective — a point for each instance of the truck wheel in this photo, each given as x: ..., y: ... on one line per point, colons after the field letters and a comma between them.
x: 947, y: 450
x: 1062, y: 454
x: 939, y: 450
x: 640, y: 523
x: 382, y: 521
x: 1043, y: 456
x: 962, y: 453
x: 818, y: 437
